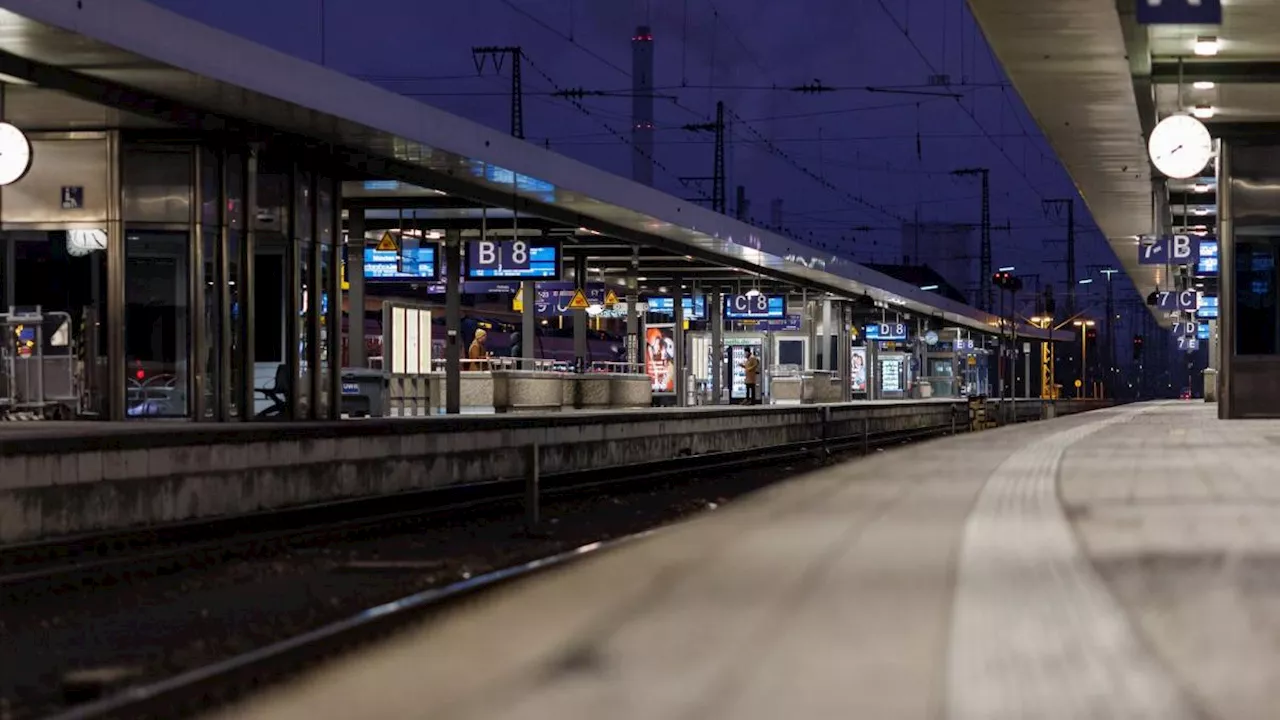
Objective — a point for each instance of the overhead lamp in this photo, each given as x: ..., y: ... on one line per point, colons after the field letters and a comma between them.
x: 1007, y: 268
x: 753, y: 292
x: 1086, y: 281
x: 1203, y: 85
x: 1201, y: 211
x: 1203, y: 112
x: 1206, y: 45
x: 928, y: 287
x: 1201, y: 187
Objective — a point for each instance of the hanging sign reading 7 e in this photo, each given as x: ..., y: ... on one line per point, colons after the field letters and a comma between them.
x: 513, y: 259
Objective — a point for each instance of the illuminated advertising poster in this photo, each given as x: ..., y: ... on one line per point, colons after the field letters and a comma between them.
x: 891, y: 375
x: 660, y: 358
x: 858, y: 369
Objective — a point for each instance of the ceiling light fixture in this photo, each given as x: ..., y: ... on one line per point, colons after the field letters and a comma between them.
x: 1206, y: 45
x: 1203, y: 85
x: 1201, y: 187
x: 1203, y: 112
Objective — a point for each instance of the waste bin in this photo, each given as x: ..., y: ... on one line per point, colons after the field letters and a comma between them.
x: 1210, y: 385
x: 363, y: 392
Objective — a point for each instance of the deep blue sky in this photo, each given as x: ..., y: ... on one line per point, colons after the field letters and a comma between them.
x: 731, y: 50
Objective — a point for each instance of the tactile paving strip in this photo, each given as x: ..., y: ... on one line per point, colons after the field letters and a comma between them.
x: 1035, y: 633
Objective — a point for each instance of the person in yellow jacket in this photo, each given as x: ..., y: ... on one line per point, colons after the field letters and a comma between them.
x: 477, y: 353
x: 751, y: 370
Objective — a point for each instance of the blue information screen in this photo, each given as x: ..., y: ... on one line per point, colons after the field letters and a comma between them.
x: 755, y: 307
x: 1208, y: 309
x: 410, y: 264
x: 1207, y: 263
x: 694, y: 308
x: 513, y: 259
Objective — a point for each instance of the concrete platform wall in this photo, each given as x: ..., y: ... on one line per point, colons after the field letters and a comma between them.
x: 122, y: 476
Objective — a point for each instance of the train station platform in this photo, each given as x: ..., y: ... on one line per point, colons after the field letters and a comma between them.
x: 1118, y: 563
x: 61, y: 479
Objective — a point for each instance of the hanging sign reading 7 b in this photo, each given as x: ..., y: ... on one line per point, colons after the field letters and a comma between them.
x: 513, y: 259
x: 1168, y: 250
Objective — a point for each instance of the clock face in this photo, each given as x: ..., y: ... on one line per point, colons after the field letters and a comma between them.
x: 15, y: 154
x: 1180, y: 146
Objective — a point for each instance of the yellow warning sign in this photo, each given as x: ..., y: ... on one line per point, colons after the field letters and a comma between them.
x: 517, y: 304
x: 579, y: 301
x: 387, y: 243
x: 610, y: 299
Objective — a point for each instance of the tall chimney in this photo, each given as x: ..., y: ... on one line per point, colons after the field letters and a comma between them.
x: 642, y: 105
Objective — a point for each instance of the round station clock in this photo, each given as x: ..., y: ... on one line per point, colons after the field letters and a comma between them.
x: 1180, y: 146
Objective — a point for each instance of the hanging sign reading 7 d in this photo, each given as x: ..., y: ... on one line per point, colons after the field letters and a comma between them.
x: 513, y: 259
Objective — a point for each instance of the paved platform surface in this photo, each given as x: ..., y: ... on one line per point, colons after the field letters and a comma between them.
x: 1116, y: 564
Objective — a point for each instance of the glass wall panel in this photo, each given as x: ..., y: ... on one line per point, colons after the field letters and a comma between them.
x: 156, y: 322
x: 63, y: 274
x: 1257, y: 288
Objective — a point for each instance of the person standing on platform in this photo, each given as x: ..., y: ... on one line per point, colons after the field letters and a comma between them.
x: 476, y: 353
x: 751, y: 371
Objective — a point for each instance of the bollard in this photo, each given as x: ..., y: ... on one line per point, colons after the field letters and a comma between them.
x: 532, y: 492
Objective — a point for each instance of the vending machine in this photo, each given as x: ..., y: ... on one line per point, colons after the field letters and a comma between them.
x: 737, y: 355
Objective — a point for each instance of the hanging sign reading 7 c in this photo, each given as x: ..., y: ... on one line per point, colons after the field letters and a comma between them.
x: 513, y: 259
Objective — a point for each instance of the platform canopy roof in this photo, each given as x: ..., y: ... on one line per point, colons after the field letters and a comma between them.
x: 137, y: 57
x: 1097, y: 83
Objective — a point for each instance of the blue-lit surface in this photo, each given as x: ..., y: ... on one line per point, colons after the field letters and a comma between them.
x: 419, y: 264
x: 1202, y: 331
x: 544, y: 263
x: 1208, y: 309
x: 542, y: 189
x: 1207, y: 263
x: 376, y: 185
x: 775, y: 308
x: 663, y: 305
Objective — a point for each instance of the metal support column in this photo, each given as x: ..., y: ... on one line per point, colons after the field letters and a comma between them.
x: 811, y: 332
x: 222, y: 276
x: 334, y: 318
x: 528, y: 324
x: 824, y: 344
x: 116, y: 370
x: 197, y: 344
x: 580, y: 347
x: 453, y: 322
x: 292, y: 297
x: 844, y: 344
x: 245, y: 287
x: 677, y: 333
x: 715, y: 315
x: 634, y: 344
x: 316, y: 409
x: 357, y: 355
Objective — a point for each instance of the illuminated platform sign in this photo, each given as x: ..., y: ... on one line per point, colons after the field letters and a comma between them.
x: 886, y: 332
x: 1208, y: 309
x: 513, y: 260
x: 1181, y: 300
x: 748, y: 306
x: 1178, y: 12
x: 1168, y: 250
x: 408, y: 264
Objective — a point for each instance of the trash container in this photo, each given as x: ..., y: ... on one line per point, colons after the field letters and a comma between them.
x: 363, y: 392
x: 1210, y: 385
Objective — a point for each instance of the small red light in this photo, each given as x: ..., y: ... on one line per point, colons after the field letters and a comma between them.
x: 141, y: 374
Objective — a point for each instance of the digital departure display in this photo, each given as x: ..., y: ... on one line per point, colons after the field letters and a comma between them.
x: 695, y: 308
x: 409, y: 264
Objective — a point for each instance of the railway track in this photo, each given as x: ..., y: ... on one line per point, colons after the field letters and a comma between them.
x: 89, y: 562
